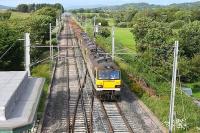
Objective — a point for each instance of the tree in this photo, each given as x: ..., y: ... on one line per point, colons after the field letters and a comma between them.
x: 129, y: 15
x: 34, y: 7
x: 105, y: 32
x: 189, y: 69
x: 38, y: 26
x: 22, y: 8
x: 31, y: 7
x: 154, y: 40
x: 140, y: 28
x: 177, y: 24
x: 103, y: 22
x: 183, y: 15
x: 196, y: 14
x: 48, y: 11
x: 189, y: 37
x: 59, y: 7
x: 13, y: 59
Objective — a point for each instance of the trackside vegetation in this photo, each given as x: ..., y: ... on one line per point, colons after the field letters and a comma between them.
x: 43, y: 70
x: 148, y: 70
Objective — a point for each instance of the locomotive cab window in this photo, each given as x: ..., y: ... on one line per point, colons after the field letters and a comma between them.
x: 109, y: 74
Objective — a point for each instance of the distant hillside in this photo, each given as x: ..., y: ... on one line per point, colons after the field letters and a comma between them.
x: 133, y: 5
x: 85, y: 7
x: 130, y: 5
x: 5, y: 7
x: 186, y: 5
x: 151, y: 6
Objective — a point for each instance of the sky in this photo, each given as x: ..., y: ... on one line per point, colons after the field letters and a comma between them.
x: 85, y: 3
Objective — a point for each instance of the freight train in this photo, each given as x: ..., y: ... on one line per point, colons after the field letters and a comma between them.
x: 105, y: 74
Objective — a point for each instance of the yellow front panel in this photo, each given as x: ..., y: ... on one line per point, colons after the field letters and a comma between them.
x: 108, y: 83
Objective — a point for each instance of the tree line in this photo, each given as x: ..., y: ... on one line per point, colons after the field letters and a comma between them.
x: 33, y: 7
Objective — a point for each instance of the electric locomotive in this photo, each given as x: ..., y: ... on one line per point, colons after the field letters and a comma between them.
x: 105, y: 74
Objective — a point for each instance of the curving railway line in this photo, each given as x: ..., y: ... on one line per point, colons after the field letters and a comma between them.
x: 73, y: 105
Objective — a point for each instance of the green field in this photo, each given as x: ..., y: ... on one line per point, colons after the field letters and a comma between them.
x: 19, y: 15
x: 125, y: 38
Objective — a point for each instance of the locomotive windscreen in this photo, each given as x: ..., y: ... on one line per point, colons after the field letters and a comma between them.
x: 109, y: 74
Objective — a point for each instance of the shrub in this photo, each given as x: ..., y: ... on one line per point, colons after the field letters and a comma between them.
x: 122, y: 24
x: 105, y: 32
x: 177, y: 24
x: 103, y: 21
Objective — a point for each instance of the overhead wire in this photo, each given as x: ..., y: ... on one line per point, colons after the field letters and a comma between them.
x: 136, y: 57
x: 6, y: 51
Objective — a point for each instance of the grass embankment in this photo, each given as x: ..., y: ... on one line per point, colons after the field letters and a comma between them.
x: 187, y: 113
x: 42, y: 70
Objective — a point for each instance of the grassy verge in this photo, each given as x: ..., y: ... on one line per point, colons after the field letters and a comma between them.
x: 42, y: 70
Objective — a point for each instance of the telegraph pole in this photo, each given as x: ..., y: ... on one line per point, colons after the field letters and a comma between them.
x: 113, y: 43
x: 94, y: 26
x: 50, y: 39
x: 51, y: 48
x: 27, y: 52
x: 173, y: 89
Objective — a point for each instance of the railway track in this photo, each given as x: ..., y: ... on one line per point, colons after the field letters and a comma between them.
x: 118, y: 123
x: 65, y: 109
x: 55, y: 119
x: 73, y: 106
x: 77, y: 114
x: 107, y: 116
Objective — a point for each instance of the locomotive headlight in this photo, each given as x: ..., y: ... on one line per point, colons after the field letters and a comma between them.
x: 117, y: 86
x: 99, y: 86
